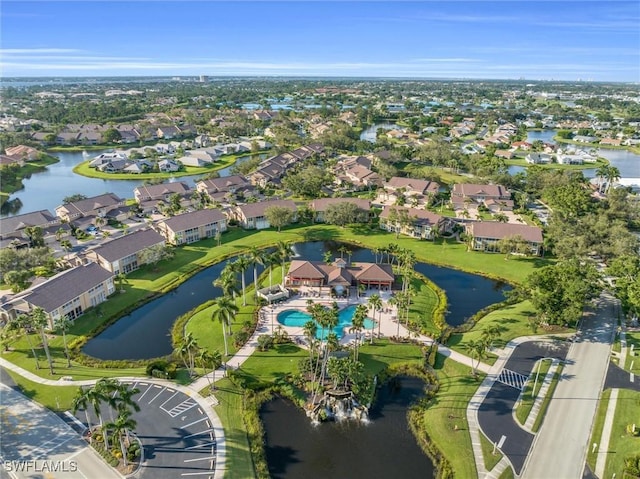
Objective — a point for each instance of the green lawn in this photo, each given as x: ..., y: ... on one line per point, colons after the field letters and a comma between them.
x: 57, y: 399
x: 490, y: 459
x: 621, y: 444
x: 633, y: 339
x: 507, y: 474
x: 547, y: 399
x: 239, y: 464
x: 449, y: 409
x: 596, y: 433
x: 383, y: 353
x: 556, y: 166
x: 512, y: 319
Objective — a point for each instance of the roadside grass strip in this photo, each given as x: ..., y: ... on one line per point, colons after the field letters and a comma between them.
x: 528, y: 397
x: 547, y: 399
x: 490, y: 459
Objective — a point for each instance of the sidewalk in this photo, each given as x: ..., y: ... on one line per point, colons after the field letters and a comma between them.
x: 601, y: 460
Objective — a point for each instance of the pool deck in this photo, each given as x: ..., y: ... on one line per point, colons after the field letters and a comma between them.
x: 388, y: 325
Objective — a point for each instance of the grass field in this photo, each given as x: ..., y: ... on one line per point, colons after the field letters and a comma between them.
x: 633, y: 339
x: 596, y: 433
x: 529, y: 394
x: 490, y: 459
x: 448, y: 410
x: 622, y: 444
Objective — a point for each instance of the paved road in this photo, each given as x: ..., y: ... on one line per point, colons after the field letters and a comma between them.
x: 621, y: 379
x: 559, y: 450
x: 38, y: 444
x: 495, y: 414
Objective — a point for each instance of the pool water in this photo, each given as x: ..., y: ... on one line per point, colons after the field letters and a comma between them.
x: 296, y: 318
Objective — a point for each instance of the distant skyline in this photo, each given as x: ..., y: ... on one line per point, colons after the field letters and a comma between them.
x: 543, y: 40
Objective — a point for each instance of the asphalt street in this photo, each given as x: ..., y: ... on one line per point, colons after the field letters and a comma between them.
x: 495, y: 415
x: 559, y: 450
x: 621, y: 379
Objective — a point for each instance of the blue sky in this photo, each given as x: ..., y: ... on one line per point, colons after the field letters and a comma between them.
x: 588, y: 40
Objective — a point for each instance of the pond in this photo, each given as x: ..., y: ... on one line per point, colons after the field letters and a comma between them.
x: 369, y: 133
x: 467, y: 293
x: 385, y: 447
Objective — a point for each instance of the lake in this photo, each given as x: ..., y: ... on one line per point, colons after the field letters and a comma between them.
x: 383, y: 448
x: 467, y: 293
x: 369, y: 133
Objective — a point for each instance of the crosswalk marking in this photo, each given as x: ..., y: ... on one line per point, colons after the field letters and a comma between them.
x: 512, y: 378
x: 180, y: 408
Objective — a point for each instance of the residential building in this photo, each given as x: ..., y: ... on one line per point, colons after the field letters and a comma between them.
x: 95, y: 206
x: 412, y: 189
x: 320, y: 206
x: 23, y: 152
x: 194, y: 226
x: 423, y: 224
x: 486, y: 235
x: 123, y: 254
x: 252, y: 215
x: 13, y: 228
x: 464, y: 194
x: 69, y: 293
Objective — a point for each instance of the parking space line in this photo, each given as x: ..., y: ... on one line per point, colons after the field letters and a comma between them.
x: 161, y: 405
x: 156, y: 396
x: 198, y: 433
x: 147, y: 390
x: 208, y: 423
x: 182, y: 407
x: 197, y: 473
x: 200, y: 445
x: 194, y: 422
x: 199, y: 459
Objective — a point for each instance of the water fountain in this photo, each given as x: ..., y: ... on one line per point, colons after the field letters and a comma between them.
x: 338, y: 405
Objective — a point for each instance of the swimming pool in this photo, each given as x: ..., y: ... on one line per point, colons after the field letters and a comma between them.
x: 296, y: 318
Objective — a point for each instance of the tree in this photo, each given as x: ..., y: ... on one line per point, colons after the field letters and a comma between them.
x: 477, y: 349
x: 120, y: 428
x: 187, y: 349
x: 213, y: 360
x: 40, y: 321
x: 239, y: 266
x: 613, y: 175
x: 35, y: 235
x: 559, y: 292
x: 284, y: 252
x: 227, y: 281
x: 66, y: 246
x: 63, y: 325
x: 256, y: 257
x: 279, y: 216
x: 25, y: 323
x: 359, y: 316
x: 501, y: 218
x: 111, y: 135
x: 17, y: 280
x: 375, y: 303
x: 224, y: 311
x: 344, y: 213
x: 154, y: 254
x: 73, y: 198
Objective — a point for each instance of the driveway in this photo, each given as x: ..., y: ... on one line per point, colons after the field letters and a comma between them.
x: 495, y: 415
x: 177, y: 435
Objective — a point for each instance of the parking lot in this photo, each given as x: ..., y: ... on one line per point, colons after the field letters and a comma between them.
x: 178, y: 437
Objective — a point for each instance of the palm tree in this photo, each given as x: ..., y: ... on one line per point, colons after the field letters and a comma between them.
x: 476, y: 349
x: 124, y: 398
x: 501, y: 218
x: 256, y: 257
x: 227, y: 281
x: 82, y: 400
x: 375, y: 303
x: 121, y: 427
x: 271, y: 259
x: 121, y: 277
x: 285, y: 252
x: 224, y: 311
x: 66, y: 246
x: 187, y: 349
x: 239, y: 266
x: 63, y: 325
x: 613, y: 175
x: 103, y: 391
x: 601, y: 173
x: 39, y: 320
x: 25, y: 323
x: 213, y: 360
x: 359, y: 316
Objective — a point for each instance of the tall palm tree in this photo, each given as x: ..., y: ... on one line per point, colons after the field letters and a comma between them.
x: 82, y: 401
x: 227, y: 281
x: 359, y: 316
x: 285, y: 252
x: 613, y: 175
x: 239, y: 266
x: 187, y: 350
x: 120, y: 428
x: 63, y: 325
x: 212, y: 360
x: 25, y: 323
x: 40, y: 321
x: 124, y: 398
x: 224, y: 311
x: 256, y: 257
x: 477, y: 350
x: 104, y: 391
x: 375, y: 303
x: 271, y: 260
x: 601, y: 173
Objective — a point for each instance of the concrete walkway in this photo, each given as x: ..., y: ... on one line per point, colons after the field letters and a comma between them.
x: 603, y: 451
x: 542, y: 394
